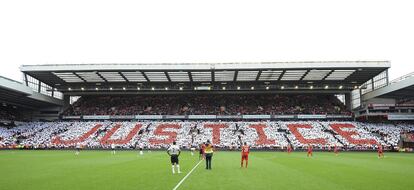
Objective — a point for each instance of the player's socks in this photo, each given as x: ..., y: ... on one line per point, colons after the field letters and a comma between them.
x: 173, y: 171
x: 178, y: 168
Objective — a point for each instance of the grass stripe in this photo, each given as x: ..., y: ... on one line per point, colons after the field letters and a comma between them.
x: 185, y: 177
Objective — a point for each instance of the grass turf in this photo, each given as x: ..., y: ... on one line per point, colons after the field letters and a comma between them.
x: 20, y: 169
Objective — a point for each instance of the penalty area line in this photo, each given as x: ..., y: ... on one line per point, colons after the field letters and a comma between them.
x: 185, y: 177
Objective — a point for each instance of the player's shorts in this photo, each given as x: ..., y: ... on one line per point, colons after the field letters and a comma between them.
x: 201, y: 152
x: 174, y: 159
x: 77, y: 149
x: 380, y: 152
x: 245, y: 157
x: 192, y: 149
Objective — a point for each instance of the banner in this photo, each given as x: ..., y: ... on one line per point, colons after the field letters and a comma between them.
x: 405, y: 105
x: 122, y: 117
x: 5, y: 121
x: 400, y: 117
x: 175, y: 117
x: 148, y: 116
x: 283, y: 116
x: 201, y: 116
x: 311, y: 116
x: 194, y: 117
x: 256, y: 116
x: 99, y: 117
x: 381, y: 105
x: 71, y: 117
x: 229, y: 117
x: 338, y: 116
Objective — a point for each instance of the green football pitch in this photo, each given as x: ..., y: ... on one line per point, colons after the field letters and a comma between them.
x: 20, y: 169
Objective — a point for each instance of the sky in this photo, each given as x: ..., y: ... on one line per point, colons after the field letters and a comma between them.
x: 156, y: 31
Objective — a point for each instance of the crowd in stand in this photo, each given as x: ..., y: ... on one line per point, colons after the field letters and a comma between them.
x: 228, y: 135
x: 231, y: 104
x: 9, y: 113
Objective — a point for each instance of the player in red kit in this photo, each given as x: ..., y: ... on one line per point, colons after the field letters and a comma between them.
x: 380, y: 151
x: 289, y: 148
x: 245, y: 154
x: 310, y: 151
x: 202, y: 155
x: 336, y: 150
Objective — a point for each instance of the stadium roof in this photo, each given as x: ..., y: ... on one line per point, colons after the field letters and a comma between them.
x: 65, y: 77
x: 400, y: 88
x: 15, y: 93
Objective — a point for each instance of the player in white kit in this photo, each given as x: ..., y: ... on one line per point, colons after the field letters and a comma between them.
x: 113, y: 148
x: 141, y: 149
x: 174, y: 151
x: 78, y: 147
x: 192, y: 149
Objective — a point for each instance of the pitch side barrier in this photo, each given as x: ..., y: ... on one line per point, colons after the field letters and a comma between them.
x: 217, y: 149
x: 206, y: 117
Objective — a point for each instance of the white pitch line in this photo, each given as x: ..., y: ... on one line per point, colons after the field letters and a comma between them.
x: 185, y: 177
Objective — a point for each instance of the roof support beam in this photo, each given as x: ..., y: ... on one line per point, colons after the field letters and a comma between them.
x: 25, y: 79
x: 258, y: 75
x: 122, y: 75
x: 38, y: 87
x: 79, y: 77
x: 330, y: 72
x: 145, y: 76
x: 281, y: 75
x: 372, y: 84
x: 303, y: 76
x: 236, y: 72
x: 168, y: 76
x: 99, y: 74
x: 190, y: 76
x: 387, y: 77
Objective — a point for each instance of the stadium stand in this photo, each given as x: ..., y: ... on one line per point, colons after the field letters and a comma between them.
x: 208, y: 105
x: 269, y: 105
x: 155, y: 135
x: 9, y: 113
